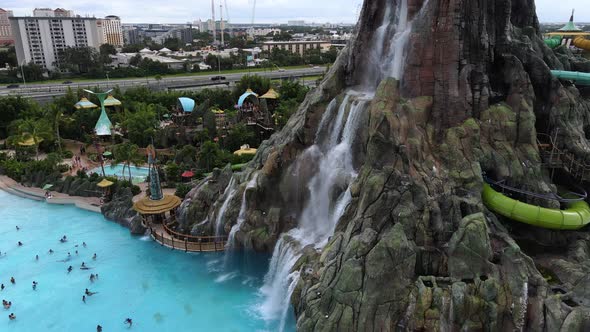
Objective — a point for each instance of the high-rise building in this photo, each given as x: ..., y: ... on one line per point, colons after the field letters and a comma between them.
x: 41, y: 39
x: 112, y: 32
x: 6, y: 37
x: 48, y: 12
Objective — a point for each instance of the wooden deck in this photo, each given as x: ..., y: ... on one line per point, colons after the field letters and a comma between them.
x: 186, y: 243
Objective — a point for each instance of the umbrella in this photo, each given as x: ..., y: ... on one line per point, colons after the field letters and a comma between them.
x: 104, y: 183
x: 47, y: 186
x: 112, y: 101
x: 271, y: 94
x: 188, y: 174
x: 84, y: 103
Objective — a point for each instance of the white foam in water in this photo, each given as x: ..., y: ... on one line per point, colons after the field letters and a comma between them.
x: 145, y: 238
x: 225, y: 277
x: 329, y: 193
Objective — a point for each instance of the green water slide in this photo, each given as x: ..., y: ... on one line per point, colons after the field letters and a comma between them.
x: 553, y: 42
x: 576, y: 216
x: 578, y: 77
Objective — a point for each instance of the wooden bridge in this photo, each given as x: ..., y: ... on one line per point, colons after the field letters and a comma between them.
x: 162, y: 234
x: 555, y: 158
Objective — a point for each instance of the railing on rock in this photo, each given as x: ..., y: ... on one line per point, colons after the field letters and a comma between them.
x: 553, y: 157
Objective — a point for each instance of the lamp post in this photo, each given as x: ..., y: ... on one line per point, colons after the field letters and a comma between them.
x: 22, y: 72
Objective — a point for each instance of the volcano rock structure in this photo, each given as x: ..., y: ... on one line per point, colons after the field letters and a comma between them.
x: 430, y: 95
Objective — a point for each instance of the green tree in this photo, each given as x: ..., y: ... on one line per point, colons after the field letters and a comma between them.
x: 105, y: 51
x: 186, y: 155
x: 209, y: 155
x: 141, y: 124
x: 239, y: 135
x: 36, y: 130
x: 80, y: 59
x: 127, y: 154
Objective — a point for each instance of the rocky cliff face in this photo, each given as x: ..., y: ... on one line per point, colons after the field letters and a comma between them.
x: 120, y: 209
x: 414, y: 248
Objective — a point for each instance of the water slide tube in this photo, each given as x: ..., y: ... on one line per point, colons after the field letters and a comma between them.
x: 576, y: 216
x: 553, y: 42
x: 582, y: 43
x: 578, y: 77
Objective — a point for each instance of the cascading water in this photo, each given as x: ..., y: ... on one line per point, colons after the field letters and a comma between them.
x: 229, y: 194
x: 329, y: 192
x: 329, y: 197
x: 241, y: 216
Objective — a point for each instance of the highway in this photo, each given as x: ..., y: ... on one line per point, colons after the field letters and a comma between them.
x: 43, y: 92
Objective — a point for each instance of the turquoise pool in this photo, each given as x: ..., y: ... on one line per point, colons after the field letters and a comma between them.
x: 138, y: 174
x: 160, y: 289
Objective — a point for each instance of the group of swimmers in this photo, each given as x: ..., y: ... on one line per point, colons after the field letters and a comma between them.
x: 87, y: 293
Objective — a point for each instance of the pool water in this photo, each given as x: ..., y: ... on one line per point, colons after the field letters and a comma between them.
x: 160, y: 289
x: 138, y: 174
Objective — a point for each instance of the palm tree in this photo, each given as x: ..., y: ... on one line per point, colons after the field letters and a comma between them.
x: 36, y: 130
x: 56, y: 115
x: 127, y: 154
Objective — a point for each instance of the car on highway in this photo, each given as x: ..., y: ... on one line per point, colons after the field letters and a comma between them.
x: 218, y: 78
x: 281, y: 69
x: 12, y: 86
x: 67, y: 82
x: 316, y: 67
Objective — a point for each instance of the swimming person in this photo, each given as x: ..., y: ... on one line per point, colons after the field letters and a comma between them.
x: 94, y: 256
x: 76, y: 252
x: 70, y: 269
x: 20, y: 244
x: 17, y: 228
x: 50, y: 251
x: 36, y: 257
x: 12, y: 281
x: 34, y: 285
x: 91, y: 277
x: 2, y: 287
x: 98, y: 328
x: 11, y: 316
x: 89, y: 293
x: 129, y: 321
x: 84, y: 298
x: 84, y: 244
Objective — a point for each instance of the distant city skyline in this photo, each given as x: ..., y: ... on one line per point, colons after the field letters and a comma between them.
x: 240, y: 11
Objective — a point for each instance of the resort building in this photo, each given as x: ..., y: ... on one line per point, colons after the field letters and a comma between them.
x: 112, y: 32
x: 297, y: 46
x: 5, y: 30
x: 40, y: 39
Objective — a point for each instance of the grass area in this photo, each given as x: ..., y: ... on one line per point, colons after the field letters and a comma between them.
x: 202, y: 73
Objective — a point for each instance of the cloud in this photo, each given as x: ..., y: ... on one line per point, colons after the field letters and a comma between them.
x: 240, y: 11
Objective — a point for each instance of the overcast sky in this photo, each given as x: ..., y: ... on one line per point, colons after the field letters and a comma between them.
x: 240, y: 11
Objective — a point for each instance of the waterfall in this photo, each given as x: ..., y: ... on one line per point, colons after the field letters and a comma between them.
x: 328, y: 198
x: 329, y: 187
x: 229, y: 194
x: 241, y: 216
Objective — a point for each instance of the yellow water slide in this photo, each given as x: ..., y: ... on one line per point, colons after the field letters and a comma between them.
x: 583, y: 43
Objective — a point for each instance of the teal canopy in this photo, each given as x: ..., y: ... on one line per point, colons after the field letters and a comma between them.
x: 103, y: 125
x: 243, y: 97
x: 188, y: 105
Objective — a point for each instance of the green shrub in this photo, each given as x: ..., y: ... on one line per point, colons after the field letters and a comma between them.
x: 67, y: 154
x: 182, y: 189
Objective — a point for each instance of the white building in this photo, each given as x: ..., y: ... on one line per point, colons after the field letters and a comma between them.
x: 40, y: 39
x: 261, y: 32
x: 112, y: 32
